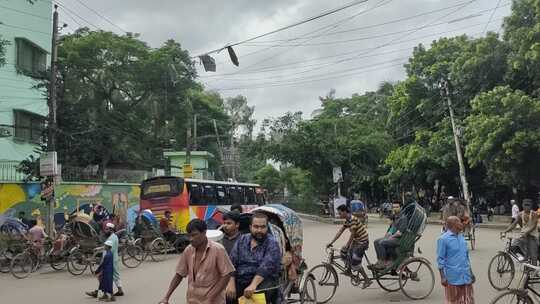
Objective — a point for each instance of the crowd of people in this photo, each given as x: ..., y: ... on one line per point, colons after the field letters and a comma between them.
x: 240, y: 266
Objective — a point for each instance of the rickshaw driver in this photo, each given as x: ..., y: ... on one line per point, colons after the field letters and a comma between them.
x: 167, y: 228
x: 357, y: 244
x: 528, y: 242
x: 456, y: 207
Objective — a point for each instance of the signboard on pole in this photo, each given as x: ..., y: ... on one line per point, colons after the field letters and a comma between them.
x: 48, y: 165
x: 47, y: 189
x: 338, y: 175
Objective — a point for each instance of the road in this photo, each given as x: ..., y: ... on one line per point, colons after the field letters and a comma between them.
x: 147, y: 283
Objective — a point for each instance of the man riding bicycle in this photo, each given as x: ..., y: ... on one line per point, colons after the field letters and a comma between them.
x: 456, y: 207
x: 528, y: 241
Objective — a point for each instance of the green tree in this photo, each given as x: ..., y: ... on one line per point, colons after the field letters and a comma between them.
x: 270, y: 179
x: 503, y: 134
x: 522, y: 33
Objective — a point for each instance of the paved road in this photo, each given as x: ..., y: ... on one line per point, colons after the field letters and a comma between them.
x: 147, y: 283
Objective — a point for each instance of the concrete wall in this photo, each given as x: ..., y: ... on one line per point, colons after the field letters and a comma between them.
x: 32, y: 22
x: 15, y: 197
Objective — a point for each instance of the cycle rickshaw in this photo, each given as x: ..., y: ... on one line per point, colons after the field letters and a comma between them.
x: 89, y: 245
x: 148, y: 237
x: 12, y: 241
x: 286, y: 227
x: 412, y: 275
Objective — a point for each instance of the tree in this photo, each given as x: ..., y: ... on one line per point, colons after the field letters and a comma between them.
x: 121, y: 103
x: 503, y: 135
x: 269, y: 178
x: 522, y: 34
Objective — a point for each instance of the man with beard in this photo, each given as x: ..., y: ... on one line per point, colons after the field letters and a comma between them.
x: 113, y: 239
x: 257, y: 259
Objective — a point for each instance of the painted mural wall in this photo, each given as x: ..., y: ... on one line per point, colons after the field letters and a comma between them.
x: 117, y: 198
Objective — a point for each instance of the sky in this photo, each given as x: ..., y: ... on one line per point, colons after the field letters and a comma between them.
x: 350, y: 51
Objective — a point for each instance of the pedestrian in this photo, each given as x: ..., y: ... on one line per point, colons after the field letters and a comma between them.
x: 104, y: 273
x: 515, y: 210
x: 113, y: 239
x: 231, y: 230
x: 257, y: 259
x: 457, y: 277
x: 206, y: 265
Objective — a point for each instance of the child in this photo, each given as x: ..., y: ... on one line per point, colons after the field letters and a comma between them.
x: 104, y: 274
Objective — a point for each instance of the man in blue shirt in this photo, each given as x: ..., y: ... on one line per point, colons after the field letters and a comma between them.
x: 257, y: 259
x: 454, y: 264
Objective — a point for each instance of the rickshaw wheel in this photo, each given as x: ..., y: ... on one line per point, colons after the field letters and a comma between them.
x: 501, y: 266
x: 21, y: 265
x: 76, y: 262
x: 513, y: 296
x: 416, y: 279
x: 4, y: 264
x: 57, y: 261
x: 132, y: 256
x: 158, y: 249
x: 387, y: 281
x: 326, y: 282
x: 95, y: 260
x: 308, y: 293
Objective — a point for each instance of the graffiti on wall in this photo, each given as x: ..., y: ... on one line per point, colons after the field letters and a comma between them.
x: 70, y: 197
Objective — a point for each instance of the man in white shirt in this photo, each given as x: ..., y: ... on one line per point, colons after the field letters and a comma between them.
x: 515, y: 210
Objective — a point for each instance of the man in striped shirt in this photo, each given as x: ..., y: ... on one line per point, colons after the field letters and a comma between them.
x: 357, y: 244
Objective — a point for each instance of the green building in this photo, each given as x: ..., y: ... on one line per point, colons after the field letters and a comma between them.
x: 199, y: 161
x: 27, y: 28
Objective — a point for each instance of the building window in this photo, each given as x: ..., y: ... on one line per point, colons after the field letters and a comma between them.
x: 28, y: 126
x: 31, y: 59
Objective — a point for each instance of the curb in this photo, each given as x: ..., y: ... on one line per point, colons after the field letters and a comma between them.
x: 373, y: 218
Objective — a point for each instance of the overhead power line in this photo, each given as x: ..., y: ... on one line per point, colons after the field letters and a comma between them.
x: 75, y: 14
x: 101, y: 16
x: 324, y: 14
x: 492, y: 13
x: 26, y: 13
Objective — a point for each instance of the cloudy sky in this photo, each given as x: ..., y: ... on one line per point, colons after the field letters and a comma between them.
x: 351, y: 51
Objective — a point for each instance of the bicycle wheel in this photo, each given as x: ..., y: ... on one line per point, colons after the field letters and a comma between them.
x: 76, y: 264
x: 4, y: 264
x: 21, y: 265
x: 416, y: 279
x: 513, y: 297
x: 308, y: 293
x: 472, y: 237
x: 158, y: 250
x: 501, y: 271
x: 132, y: 256
x: 57, y: 261
x: 326, y: 282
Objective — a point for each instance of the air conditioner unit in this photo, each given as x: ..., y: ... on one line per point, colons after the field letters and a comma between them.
x: 5, y: 132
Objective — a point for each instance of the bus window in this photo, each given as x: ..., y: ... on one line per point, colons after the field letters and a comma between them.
x: 210, y: 195
x: 195, y: 194
x: 221, y: 195
x: 236, y: 195
x: 250, y: 196
x: 160, y: 187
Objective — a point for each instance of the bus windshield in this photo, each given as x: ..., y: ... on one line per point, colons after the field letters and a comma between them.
x: 161, y: 187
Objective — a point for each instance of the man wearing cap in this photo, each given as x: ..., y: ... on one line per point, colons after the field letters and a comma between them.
x: 528, y: 242
x: 113, y: 240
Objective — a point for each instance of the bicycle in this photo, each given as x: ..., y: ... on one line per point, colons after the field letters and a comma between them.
x: 502, y: 269
x: 521, y: 295
x: 33, y: 257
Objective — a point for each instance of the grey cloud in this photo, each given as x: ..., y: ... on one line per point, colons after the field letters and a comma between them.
x: 204, y: 25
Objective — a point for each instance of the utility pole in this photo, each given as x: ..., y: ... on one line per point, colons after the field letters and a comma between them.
x: 51, y: 140
x: 445, y: 91
x: 195, y: 147
x: 188, y: 134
